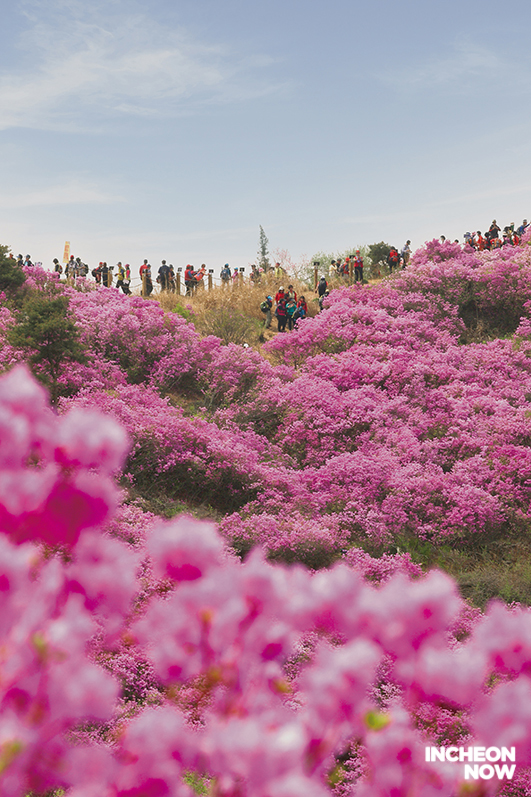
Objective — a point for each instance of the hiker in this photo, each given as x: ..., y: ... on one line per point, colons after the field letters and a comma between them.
x: 200, y: 277
x: 279, y: 295
x: 321, y: 289
x: 235, y: 277
x: 281, y: 315
x: 189, y: 279
x: 255, y: 275
x: 171, y: 279
x: 322, y: 298
x: 163, y: 276
x: 120, y: 276
x: 494, y: 230
x: 145, y: 276
x: 393, y: 259
x: 302, y: 309
x: 70, y: 269
x: 291, y: 293
x: 291, y: 309
x: 406, y: 253
x: 126, y: 280
x: 96, y: 273
x: 57, y: 266
x: 265, y: 307
x: 225, y: 275
x: 106, y: 275
x: 358, y: 267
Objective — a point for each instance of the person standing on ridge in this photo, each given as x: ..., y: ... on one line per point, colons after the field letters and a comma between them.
x: 225, y: 275
x: 358, y: 267
x: 145, y: 276
x: 163, y: 277
x: 406, y: 253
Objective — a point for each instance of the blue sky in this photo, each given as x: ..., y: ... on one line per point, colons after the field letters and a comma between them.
x: 174, y: 129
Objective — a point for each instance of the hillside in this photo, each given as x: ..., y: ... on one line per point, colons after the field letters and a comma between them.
x: 397, y: 421
x: 385, y: 437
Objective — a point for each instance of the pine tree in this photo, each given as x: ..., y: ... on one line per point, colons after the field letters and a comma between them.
x: 50, y: 338
x: 263, y: 251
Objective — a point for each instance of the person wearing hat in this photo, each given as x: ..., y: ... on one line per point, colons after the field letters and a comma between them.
x: 57, y: 267
x: 225, y: 275
x: 279, y: 295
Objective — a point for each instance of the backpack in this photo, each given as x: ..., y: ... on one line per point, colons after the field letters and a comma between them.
x: 265, y: 306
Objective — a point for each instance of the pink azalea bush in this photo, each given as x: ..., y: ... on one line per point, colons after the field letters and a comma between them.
x: 97, y: 686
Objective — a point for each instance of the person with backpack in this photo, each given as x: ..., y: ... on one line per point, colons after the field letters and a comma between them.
x: 522, y: 228
x: 57, y: 266
x: 225, y: 275
x: 393, y: 259
x: 96, y: 273
x: 281, y: 315
x: 321, y: 289
x: 265, y: 307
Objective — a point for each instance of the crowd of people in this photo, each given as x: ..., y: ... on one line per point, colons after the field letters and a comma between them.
x: 288, y: 308
x: 492, y: 239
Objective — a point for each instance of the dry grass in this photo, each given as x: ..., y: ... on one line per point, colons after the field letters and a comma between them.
x: 233, y: 313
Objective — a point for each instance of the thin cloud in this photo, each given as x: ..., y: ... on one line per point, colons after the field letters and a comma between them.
x: 91, y: 64
x: 71, y: 193
x: 467, y: 63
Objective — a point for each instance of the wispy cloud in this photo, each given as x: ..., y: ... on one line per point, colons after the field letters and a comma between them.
x: 92, y: 62
x: 69, y: 193
x: 466, y: 63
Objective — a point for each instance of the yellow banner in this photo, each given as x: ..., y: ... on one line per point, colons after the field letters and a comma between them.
x: 66, y: 255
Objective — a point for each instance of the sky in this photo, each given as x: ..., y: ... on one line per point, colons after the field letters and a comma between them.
x: 175, y: 128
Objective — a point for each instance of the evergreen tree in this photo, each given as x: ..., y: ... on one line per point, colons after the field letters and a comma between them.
x: 378, y: 253
x: 50, y: 338
x: 11, y: 275
x: 263, y: 251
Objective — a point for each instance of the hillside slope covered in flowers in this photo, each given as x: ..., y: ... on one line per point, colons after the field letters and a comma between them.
x: 142, y: 658
x: 397, y: 419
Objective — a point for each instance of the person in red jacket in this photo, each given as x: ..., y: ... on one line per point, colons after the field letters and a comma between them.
x: 280, y: 294
x: 145, y: 273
